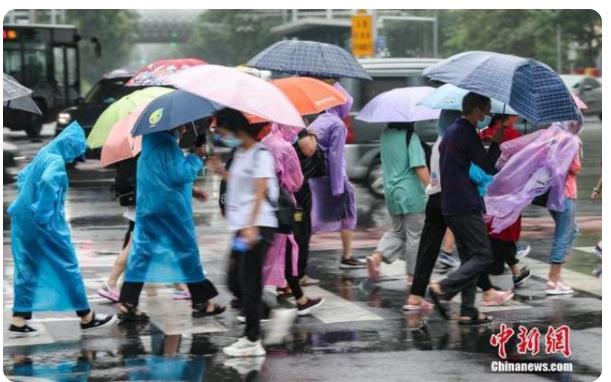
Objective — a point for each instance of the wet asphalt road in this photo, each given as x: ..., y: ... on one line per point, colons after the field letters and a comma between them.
x: 360, y: 334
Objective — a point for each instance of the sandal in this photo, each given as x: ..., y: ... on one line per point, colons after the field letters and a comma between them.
x: 201, y: 310
x: 437, y: 302
x: 132, y: 315
x: 476, y: 320
x: 424, y: 305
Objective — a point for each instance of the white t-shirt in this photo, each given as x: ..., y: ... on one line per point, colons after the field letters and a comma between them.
x: 434, y: 187
x: 246, y: 166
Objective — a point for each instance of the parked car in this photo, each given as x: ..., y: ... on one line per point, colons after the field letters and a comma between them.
x: 363, y: 164
x: 87, y: 110
x: 589, y: 89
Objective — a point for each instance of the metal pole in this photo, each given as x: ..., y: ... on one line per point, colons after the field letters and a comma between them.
x: 435, y: 37
x: 558, y: 48
x: 53, y: 16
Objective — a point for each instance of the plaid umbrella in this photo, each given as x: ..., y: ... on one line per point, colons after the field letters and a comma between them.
x: 309, y: 58
x: 17, y: 96
x: 530, y: 87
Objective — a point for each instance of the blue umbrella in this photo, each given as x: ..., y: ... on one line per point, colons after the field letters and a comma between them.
x: 530, y: 87
x: 172, y: 110
x: 309, y: 58
x: 449, y: 97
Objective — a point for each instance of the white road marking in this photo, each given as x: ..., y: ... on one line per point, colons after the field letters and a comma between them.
x: 336, y: 309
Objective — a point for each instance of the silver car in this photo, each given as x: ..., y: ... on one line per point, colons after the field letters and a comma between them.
x: 589, y: 90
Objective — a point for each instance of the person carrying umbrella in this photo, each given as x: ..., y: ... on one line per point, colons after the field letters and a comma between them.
x: 333, y: 202
x: 47, y: 275
x: 164, y: 245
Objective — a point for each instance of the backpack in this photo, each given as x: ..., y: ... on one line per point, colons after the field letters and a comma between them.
x: 425, y: 146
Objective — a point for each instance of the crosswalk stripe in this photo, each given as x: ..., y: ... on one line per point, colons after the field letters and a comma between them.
x: 576, y: 280
x: 336, y: 309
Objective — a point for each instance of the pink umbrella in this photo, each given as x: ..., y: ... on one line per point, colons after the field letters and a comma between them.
x: 238, y: 90
x: 120, y: 144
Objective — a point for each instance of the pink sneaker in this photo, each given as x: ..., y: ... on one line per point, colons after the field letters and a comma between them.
x: 182, y: 295
x: 500, y: 298
x: 109, y: 293
x: 557, y: 288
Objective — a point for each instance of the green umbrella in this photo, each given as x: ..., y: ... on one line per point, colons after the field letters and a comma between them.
x: 119, y: 110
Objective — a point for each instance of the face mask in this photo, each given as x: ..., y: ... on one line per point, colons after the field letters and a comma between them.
x: 484, y: 123
x: 228, y: 141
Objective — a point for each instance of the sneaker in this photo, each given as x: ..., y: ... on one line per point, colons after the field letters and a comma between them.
x: 109, y: 293
x: 313, y: 303
x: 26, y: 330
x: 352, y: 263
x: 307, y: 281
x: 598, y: 250
x: 264, y: 320
x: 522, y: 250
x: 99, y: 321
x: 557, y: 288
x: 245, y: 348
x: 182, y: 295
x: 448, y: 260
x: 523, y: 276
x: 282, y: 320
x: 235, y: 303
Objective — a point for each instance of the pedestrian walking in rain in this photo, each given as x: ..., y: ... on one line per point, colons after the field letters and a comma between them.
x: 333, y: 202
x: 164, y: 248
x: 405, y: 176
x: 280, y: 267
x: 312, y: 161
x: 47, y: 275
x: 462, y: 206
x: 252, y: 192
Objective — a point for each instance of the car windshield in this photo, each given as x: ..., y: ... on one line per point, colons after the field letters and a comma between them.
x: 108, y: 91
x: 571, y: 81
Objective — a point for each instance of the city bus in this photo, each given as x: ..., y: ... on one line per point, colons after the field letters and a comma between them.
x: 45, y: 58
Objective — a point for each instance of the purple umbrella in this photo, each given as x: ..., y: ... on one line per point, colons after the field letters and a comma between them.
x: 399, y: 105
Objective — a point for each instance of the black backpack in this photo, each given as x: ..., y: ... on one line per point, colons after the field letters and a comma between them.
x: 125, y: 181
x: 425, y: 146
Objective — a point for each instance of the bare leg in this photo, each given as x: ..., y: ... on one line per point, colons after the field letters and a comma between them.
x: 554, y: 272
x: 448, y: 242
x: 346, y: 236
x: 18, y: 321
x: 119, y: 266
x: 87, y: 318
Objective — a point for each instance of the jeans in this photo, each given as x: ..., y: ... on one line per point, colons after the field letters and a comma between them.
x: 244, y: 279
x: 565, y: 232
x: 475, y: 254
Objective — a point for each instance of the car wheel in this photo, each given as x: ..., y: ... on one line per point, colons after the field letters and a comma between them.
x: 34, y: 127
x: 600, y: 116
x: 375, y: 178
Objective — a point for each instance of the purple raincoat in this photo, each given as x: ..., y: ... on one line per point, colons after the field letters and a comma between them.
x: 333, y: 201
x: 530, y: 166
x: 290, y: 177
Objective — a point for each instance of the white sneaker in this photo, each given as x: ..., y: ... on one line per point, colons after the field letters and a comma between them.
x: 282, y: 320
x: 245, y: 348
x: 557, y: 288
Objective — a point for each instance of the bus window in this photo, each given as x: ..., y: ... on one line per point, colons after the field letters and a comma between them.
x: 12, y: 63
x: 35, y: 64
x: 74, y: 90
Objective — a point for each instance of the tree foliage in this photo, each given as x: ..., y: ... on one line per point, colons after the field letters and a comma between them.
x: 116, y: 31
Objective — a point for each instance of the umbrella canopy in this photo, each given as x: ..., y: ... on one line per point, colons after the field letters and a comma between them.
x: 580, y: 104
x: 172, y: 110
x: 120, y: 144
x: 450, y: 97
x: 530, y: 87
x: 17, y: 96
x: 154, y: 73
x: 309, y: 95
x: 309, y: 58
x: 233, y: 88
x: 119, y: 110
x: 399, y: 105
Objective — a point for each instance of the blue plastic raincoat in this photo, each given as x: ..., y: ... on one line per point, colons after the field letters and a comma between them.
x: 164, y: 246
x: 47, y: 275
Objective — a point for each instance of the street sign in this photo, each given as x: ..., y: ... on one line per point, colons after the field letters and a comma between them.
x: 363, y: 43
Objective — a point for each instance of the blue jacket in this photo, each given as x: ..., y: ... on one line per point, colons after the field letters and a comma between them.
x: 47, y: 275
x: 164, y: 245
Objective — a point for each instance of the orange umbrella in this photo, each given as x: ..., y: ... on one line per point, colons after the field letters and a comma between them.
x: 120, y: 144
x: 308, y: 95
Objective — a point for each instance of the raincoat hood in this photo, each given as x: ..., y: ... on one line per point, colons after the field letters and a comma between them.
x: 342, y: 110
x: 70, y: 143
x: 574, y: 127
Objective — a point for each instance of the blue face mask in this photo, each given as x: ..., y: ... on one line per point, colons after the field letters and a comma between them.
x: 485, y: 123
x: 228, y: 141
